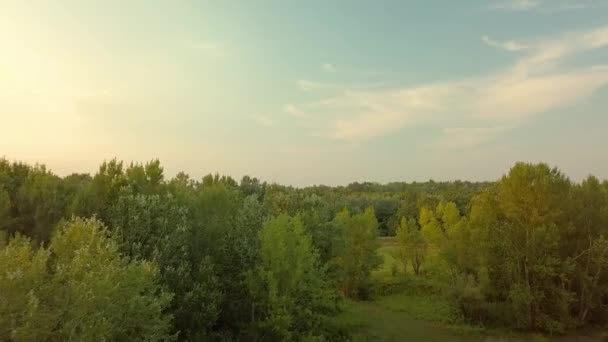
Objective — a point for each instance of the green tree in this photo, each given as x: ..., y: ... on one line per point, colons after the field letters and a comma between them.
x: 584, y: 243
x: 38, y: 204
x: 102, y: 192
x: 24, y: 285
x: 213, y: 210
x: 5, y: 207
x: 145, y: 179
x: 291, y: 296
x: 240, y: 251
x: 357, y: 255
x: 150, y: 227
x: 412, y: 245
x: 80, y: 288
x: 521, y: 223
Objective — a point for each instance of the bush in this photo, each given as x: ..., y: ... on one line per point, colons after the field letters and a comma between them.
x: 79, y: 288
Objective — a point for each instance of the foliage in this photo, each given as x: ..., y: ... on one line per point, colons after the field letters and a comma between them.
x: 527, y: 252
x: 148, y: 227
x: 532, y: 247
x: 79, y: 288
x: 240, y: 251
x: 412, y: 245
x: 358, y: 253
x: 291, y: 297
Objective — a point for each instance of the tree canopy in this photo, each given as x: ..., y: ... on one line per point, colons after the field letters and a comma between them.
x: 129, y: 254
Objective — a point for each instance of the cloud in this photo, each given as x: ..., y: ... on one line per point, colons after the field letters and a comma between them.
x: 467, y: 137
x: 294, y: 111
x: 264, y: 121
x: 328, y: 67
x: 570, y: 5
x: 508, y: 45
x: 310, y: 86
x: 538, y: 81
x: 543, y: 6
x: 314, y: 86
x: 517, y: 5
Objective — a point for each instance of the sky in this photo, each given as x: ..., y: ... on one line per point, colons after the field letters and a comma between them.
x: 307, y: 92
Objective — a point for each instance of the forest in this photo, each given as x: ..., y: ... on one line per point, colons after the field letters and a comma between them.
x: 128, y: 254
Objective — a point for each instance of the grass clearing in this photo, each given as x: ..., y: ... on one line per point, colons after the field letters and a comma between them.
x: 407, y: 308
x: 412, y: 308
x: 378, y: 321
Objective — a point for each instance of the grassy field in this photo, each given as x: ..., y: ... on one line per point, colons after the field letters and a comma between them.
x: 411, y: 313
x: 390, y: 320
x: 410, y: 308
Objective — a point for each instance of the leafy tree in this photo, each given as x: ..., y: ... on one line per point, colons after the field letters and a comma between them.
x: 104, y: 190
x: 407, y: 208
x: 24, y: 282
x: 277, y: 200
x: 150, y: 227
x: 412, y: 245
x: 316, y: 215
x: 145, y: 179
x: 147, y: 226
x: 5, y: 207
x: 252, y: 186
x: 80, y: 288
x: 357, y: 256
x: 291, y: 296
x: 584, y: 244
x: 37, y: 204
x: 182, y: 188
x: 213, y: 211
x: 521, y: 231
x: 240, y: 251
x: 385, y: 208
x: 431, y: 227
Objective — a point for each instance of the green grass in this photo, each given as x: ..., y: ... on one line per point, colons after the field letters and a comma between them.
x: 413, y: 308
x: 434, y: 265
x: 393, y: 318
x: 428, y: 308
x: 388, y: 252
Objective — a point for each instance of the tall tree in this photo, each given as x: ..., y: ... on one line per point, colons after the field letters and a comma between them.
x: 291, y: 295
x: 357, y: 256
x: 412, y: 245
x: 521, y: 222
x: 239, y: 253
x: 150, y: 227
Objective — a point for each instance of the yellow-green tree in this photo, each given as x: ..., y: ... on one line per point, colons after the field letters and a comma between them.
x: 79, y: 288
x: 292, y: 298
x: 412, y: 245
x: 357, y: 255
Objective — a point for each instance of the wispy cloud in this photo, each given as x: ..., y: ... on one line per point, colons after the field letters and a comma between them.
x: 508, y: 45
x: 537, y: 81
x: 307, y: 85
x: 544, y: 6
x: 328, y: 67
x: 467, y: 137
x: 516, y: 5
x: 294, y: 111
x: 315, y: 86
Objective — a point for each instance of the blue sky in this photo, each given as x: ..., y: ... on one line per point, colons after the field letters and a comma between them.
x: 307, y: 92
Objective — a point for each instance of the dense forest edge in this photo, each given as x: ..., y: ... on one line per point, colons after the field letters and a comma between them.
x: 127, y: 254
